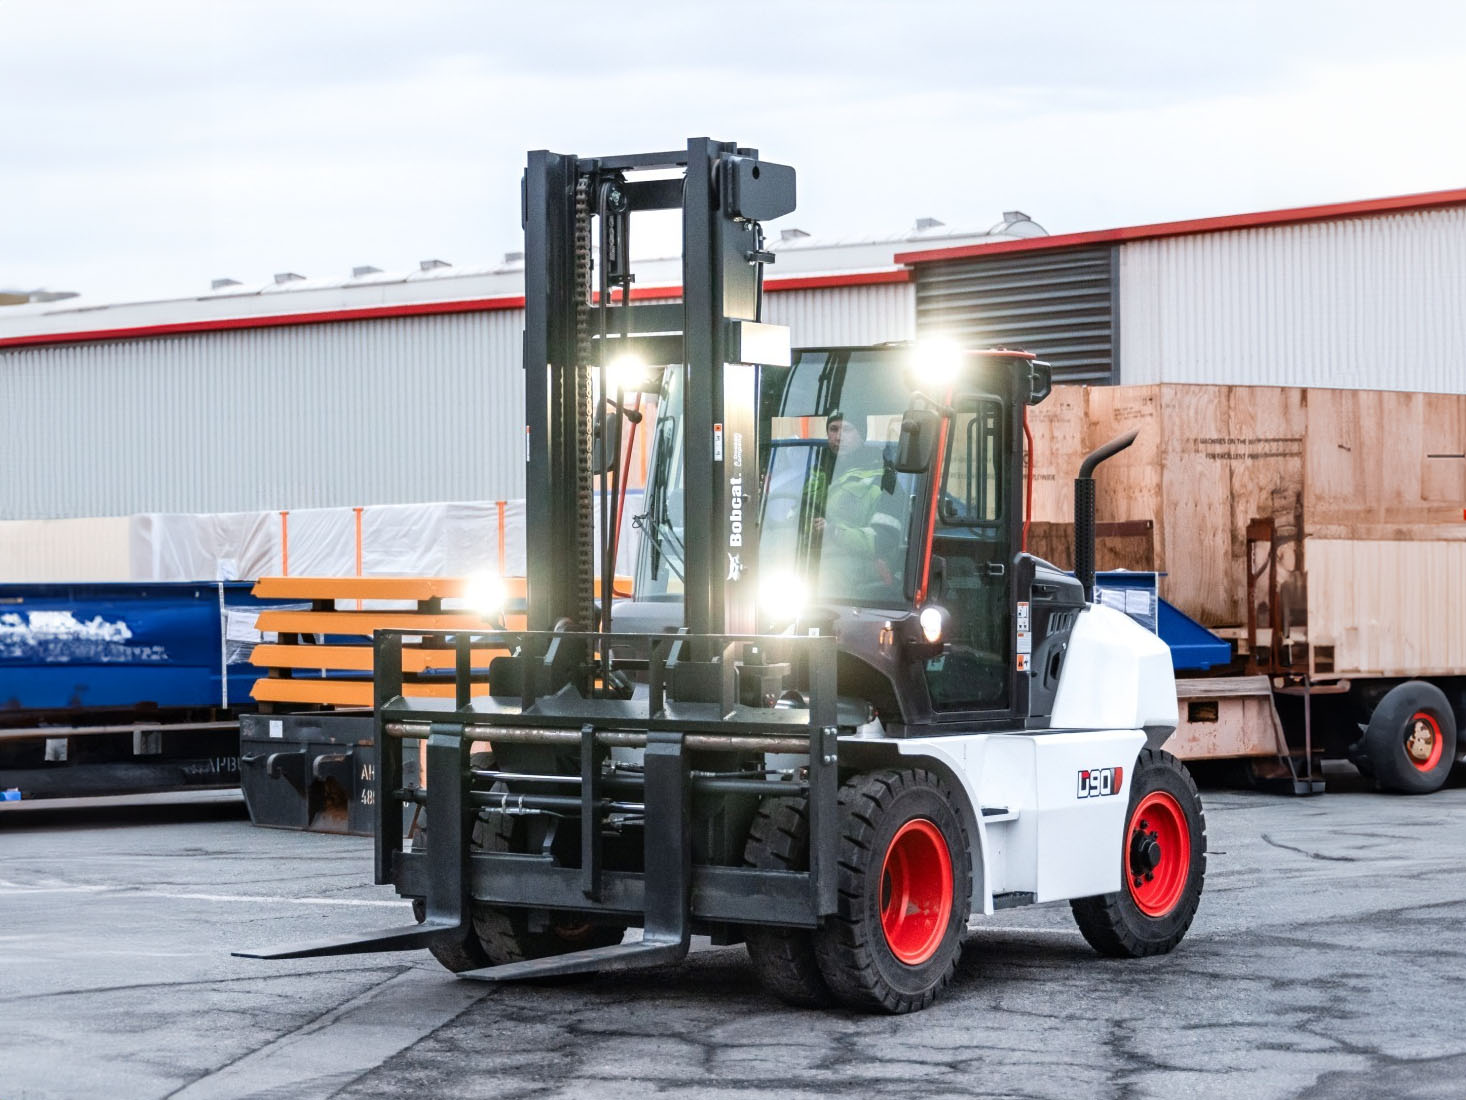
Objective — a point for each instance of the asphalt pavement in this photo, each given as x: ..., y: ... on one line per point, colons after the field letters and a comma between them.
x: 1325, y: 962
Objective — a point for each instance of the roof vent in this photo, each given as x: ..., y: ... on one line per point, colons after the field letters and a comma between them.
x: 19, y: 297
x: 1016, y: 223
x: 364, y: 269
x: 220, y: 284
x: 514, y: 257
x: 923, y: 224
x: 791, y: 234
x: 429, y: 265
x: 283, y: 277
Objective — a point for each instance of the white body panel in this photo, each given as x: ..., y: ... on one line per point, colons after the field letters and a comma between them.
x: 1037, y: 829
x: 1050, y: 840
x: 1117, y: 675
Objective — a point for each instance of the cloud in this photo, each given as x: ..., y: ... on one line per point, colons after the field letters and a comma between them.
x: 152, y: 145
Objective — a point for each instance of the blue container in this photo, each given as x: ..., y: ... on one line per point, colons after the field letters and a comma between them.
x: 119, y: 645
x: 1194, y: 648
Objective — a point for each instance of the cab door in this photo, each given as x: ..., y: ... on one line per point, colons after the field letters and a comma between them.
x: 973, y: 553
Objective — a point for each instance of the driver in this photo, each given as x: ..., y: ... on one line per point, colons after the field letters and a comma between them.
x: 844, y: 491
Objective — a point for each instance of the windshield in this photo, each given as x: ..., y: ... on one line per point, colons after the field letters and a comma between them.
x: 837, y: 515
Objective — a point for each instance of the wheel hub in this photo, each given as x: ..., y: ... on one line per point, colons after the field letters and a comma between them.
x: 1145, y: 850
x: 916, y: 891
x: 1420, y: 740
x: 1158, y: 854
x: 1424, y: 744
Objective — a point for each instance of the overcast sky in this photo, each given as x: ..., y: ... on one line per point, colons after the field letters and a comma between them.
x: 148, y: 146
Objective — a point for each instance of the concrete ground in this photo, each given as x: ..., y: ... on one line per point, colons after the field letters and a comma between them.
x: 1326, y: 961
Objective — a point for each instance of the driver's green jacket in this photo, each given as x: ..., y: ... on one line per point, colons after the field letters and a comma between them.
x: 847, y: 499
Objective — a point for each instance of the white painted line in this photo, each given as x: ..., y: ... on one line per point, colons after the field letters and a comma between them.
x: 265, y: 899
x: 177, y: 895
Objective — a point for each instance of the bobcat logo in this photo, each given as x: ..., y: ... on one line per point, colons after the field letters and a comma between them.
x: 735, y: 567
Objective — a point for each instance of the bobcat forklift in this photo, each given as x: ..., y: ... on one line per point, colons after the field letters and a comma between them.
x: 845, y: 710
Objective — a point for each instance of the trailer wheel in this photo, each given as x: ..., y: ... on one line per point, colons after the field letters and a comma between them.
x: 1162, y: 865
x: 905, y: 885
x: 1411, y: 738
x: 784, y: 958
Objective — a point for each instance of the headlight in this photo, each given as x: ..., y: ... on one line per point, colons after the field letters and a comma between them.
x: 626, y: 374
x: 782, y: 596
x: 931, y: 624
x: 486, y: 594
x: 937, y: 361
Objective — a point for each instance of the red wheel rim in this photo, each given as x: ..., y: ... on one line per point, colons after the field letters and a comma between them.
x: 1157, y: 854
x: 1423, y: 744
x: 916, y: 891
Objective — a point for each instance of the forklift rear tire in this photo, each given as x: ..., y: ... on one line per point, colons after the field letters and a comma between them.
x: 1162, y: 865
x: 784, y: 959
x: 905, y: 886
x: 1410, y: 743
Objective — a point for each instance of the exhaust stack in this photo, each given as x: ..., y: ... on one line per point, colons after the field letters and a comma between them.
x: 1084, y: 510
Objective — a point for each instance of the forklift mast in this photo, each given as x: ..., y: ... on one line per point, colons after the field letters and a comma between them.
x: 582, y: 318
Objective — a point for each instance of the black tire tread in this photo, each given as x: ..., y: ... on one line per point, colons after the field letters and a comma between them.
x: 784, y: 958
x: 1384, y: 750
x: 499, y: 936
x: 1108, y: 921
x: 846, y: 954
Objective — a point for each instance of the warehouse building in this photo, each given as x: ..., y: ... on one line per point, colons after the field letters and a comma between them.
x: 164, y: 439
x: 161, y: 440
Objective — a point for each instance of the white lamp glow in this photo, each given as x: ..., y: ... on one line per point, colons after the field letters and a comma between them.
x: 782, y: 595
x: 486, y: 594
x: 938, y: 360
x: 931, y: 624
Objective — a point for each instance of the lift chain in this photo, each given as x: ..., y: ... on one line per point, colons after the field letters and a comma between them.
x: 585, y: 541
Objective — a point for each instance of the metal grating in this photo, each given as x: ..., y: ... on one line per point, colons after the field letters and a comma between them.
x: 1058, y: 304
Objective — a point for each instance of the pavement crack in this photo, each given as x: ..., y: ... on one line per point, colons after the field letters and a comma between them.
x: 1305, y: 852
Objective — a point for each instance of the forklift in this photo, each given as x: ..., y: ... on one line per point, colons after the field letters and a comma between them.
x: 844, y: 711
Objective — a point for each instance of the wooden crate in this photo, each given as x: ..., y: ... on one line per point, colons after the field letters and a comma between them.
x: 1324, y: 466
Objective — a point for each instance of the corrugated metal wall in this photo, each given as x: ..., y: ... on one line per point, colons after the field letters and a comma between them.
x: 1372, y: 303
x: 392, y: 411
x: 853, y: 315
x: 1058, y: 304
x: 366, y: 412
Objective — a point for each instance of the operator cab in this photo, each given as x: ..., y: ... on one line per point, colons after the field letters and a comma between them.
x: 913, y: 560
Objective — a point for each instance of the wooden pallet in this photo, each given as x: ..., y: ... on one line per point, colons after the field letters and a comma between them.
x: 302, y: 672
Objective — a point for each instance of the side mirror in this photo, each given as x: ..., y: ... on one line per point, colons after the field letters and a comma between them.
x: 918, y: 441
x: 1040, y: 381
x: 603, y: 454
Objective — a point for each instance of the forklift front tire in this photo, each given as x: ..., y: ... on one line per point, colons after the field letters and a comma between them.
x: 456, y: 953
x: 905, y: 886
x: 1162, y: 865
x: 784, y: 958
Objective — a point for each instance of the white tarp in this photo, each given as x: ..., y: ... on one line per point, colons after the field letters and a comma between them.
x: 452, y: 539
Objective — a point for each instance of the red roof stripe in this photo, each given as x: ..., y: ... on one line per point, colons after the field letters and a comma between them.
x: 1427, y: 200
x: 411, y: 309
